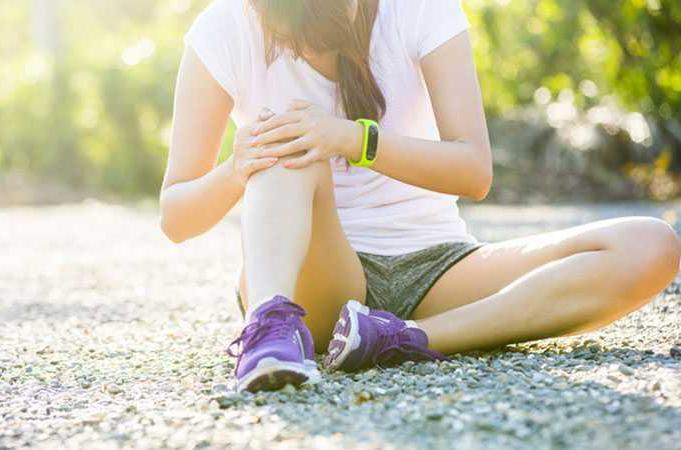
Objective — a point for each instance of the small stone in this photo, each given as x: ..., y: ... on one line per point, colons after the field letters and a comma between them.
x: 44, y: 350
x: 363, y: 396
x: 425, y: 369
x: 675, y: 352
x: 288, y: 389
x: 219, y: 388
x: 187, y: 382
x: 93, y: 419
x: 595, y: 348
x: 113, y: 389
x: 371, y: 373
x: 117, y: 436
x: 538, y: 378
x: 486, y: 425
x: 380, y: 391
x: 613, y: 378
x: 407, y: 365
x: 227, y: 400
x: 626, y: 370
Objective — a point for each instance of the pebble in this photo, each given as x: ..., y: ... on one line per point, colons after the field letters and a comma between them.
x: 220, y: 388
x: 362, y: 396
x: 227, y: 400
x: 113, y: 389
x: 289, y: 389
x: 626, y: 370
x: 425, y: 368
x: 407, y: 365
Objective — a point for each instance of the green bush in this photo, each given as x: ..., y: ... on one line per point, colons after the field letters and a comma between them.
x: 87, y: 87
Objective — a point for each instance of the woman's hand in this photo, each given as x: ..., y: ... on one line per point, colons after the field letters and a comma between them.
x: 306, y: 128
x: 245, y: 159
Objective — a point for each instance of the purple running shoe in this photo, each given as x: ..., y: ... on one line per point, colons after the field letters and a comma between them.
x: 276, y: 348
x: 363, y: 338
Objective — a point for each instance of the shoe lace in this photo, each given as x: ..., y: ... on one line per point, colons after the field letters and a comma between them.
x: 393, y: 343
x: 276, y: 322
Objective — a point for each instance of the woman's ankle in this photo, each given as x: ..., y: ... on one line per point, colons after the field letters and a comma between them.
x: 263, y: 299
x: 412, y: 324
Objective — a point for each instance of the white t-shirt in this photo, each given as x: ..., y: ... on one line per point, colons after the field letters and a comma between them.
x: 379, y: 214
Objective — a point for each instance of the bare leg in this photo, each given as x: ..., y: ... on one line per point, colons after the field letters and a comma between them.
x: 276, y: 226
x: 549, y: 285
x: 294, y: 245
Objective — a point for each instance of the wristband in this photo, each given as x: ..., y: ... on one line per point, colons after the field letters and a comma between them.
x: 369, y: 144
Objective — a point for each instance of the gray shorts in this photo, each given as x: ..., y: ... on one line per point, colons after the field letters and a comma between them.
x: 399, y: 283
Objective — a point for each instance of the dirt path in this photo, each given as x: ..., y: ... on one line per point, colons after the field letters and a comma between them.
x: 110, y: 337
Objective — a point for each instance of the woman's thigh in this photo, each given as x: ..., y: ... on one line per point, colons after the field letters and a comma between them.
x: 494, y: 266
x: 332, y: 273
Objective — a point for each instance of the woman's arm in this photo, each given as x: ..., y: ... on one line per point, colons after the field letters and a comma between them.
x: 460, y: 163
x: 196, y: 194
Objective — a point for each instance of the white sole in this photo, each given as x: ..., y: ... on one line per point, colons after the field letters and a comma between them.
x: 270, y: 367
x: 354, y: 339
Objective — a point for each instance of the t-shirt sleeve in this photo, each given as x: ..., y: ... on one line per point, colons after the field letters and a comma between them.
x: 214, y: 37
x: 434, y: 22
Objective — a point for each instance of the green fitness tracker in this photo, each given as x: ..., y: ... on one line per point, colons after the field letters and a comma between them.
x: 369, y: 143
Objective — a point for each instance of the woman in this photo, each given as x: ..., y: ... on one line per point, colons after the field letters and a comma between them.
x: 360, y: 122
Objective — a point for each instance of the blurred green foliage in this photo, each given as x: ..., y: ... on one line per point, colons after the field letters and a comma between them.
x: 630, y: 49
x: 86, y: 87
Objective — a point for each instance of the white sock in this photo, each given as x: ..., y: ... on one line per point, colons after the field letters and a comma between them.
x: 251, y: 308
x: 411, y: 324
x: 247, y: 317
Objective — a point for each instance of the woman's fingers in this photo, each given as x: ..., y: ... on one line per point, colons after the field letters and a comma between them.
x: 288, y: 148
x: 257, y: 164
x: 278, y: 120
x: 303, y: 161
x: 265, y: 114
x: 298, y: 104
x: 283, y: 133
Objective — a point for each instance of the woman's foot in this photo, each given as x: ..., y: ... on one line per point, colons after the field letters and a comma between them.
x: 363, y: 338
x: 276, y: 348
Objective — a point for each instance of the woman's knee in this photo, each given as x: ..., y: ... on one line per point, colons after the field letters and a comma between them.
x: 664, y: 248
x: 278, y: 176
x: 649, y: 252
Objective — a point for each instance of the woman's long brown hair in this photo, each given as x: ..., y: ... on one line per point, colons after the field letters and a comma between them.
x: 327, y: 25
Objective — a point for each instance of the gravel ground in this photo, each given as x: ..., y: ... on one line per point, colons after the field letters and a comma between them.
x: 111, y: 337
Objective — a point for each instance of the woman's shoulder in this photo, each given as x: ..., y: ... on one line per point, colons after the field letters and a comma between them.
x: 404, y: 10
x: 221, y: 37
x: 405, y: 15
x: 424, y: 24
x: 228, y: 12
x: 411, y: 12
